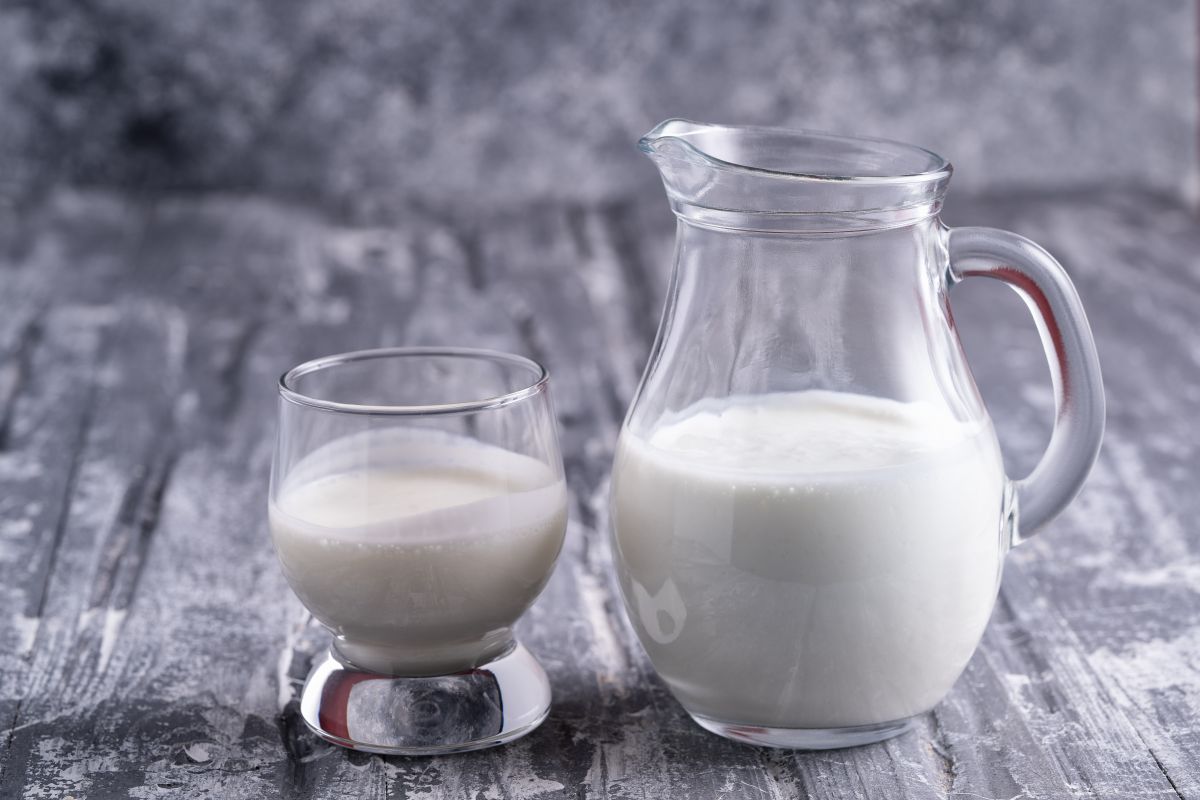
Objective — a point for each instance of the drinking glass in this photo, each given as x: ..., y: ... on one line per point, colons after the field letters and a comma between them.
x: 417, y: 506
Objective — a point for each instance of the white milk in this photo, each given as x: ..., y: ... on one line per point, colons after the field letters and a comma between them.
x: 418, y: 551
x: 812, y: 559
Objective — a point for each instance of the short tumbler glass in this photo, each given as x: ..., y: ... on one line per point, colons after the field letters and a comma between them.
x: 417, y: 506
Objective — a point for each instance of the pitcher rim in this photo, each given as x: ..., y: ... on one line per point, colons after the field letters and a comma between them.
x: 940, y: 170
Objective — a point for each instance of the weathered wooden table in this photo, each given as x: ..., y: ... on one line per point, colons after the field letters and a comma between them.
x: 149, y: 646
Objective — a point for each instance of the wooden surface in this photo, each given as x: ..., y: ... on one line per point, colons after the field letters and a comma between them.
x: 150, y: 647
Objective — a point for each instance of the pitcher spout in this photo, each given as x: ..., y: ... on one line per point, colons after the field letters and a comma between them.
x: 674, y: 139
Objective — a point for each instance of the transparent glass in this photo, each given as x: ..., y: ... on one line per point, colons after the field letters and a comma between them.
x: 809, y: 508
x: 417, y: 506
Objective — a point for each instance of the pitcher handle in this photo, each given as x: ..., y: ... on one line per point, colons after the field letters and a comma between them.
x: 1074, y: 365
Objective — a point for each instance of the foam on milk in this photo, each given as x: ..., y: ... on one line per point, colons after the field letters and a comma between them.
x: 418, y: 549
x: 810, y: 559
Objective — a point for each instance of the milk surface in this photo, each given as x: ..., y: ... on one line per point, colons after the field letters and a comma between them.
x: 811, y: 559
x: 417, y: 549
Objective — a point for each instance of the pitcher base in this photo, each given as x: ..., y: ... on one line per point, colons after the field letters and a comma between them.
x: 806, y: 738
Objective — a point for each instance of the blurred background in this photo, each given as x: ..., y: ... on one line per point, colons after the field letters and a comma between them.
x: 369, y: 107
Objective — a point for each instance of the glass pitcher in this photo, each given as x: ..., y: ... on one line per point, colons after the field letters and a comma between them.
x: 809, y: 508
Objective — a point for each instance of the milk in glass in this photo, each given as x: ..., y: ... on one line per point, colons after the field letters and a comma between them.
x: 421, y: 560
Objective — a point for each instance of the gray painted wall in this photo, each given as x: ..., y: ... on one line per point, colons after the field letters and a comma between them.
x: 367, y: 105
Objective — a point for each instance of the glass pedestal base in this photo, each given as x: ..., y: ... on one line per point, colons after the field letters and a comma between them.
x: 494, y: 703
x: 806, y: 738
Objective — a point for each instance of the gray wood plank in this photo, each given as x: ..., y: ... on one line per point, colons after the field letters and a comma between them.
x: 150, y: 644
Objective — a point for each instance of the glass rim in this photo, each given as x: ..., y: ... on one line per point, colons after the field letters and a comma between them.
x: 289, y: 392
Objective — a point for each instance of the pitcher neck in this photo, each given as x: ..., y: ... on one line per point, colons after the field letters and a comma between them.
x: 896, y: 256
x: 771, y: 180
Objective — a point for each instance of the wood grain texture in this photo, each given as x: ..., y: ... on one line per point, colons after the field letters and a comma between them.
x: 150, y: 647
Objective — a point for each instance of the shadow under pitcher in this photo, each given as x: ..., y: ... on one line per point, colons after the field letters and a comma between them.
x: 809, y: 507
